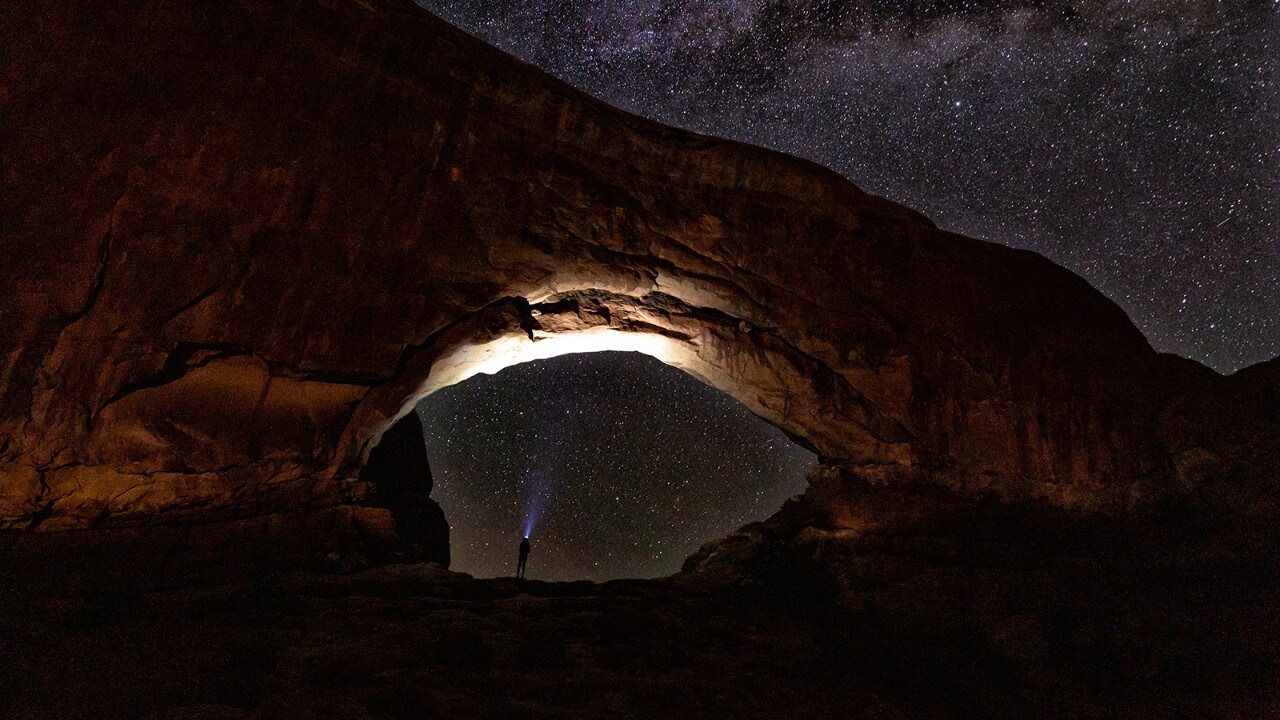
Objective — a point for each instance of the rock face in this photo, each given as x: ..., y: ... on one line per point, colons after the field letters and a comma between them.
x: 400, y: 475
x: 242, y: 239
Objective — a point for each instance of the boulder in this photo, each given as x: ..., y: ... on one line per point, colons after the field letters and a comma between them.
x: 400, y: 475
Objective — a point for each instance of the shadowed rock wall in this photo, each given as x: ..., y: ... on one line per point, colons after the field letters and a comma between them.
x: 241, y: 238
x: 400, y: 475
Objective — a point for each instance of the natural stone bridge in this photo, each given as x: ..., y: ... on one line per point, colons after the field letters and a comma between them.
x: 241, y: 241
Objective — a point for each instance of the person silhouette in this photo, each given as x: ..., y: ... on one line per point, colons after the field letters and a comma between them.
x: 524, y: 557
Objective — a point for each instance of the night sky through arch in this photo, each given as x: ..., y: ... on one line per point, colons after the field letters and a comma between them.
x: 620, y: 465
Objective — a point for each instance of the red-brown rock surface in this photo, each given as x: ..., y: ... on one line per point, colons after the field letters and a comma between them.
x: 239, y: 239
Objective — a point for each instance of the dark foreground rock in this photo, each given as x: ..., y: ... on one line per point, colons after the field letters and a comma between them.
x: 399, y: 474
x: 987, y: 613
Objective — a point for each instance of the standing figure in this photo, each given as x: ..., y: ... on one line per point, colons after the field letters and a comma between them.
x: 524, y: 557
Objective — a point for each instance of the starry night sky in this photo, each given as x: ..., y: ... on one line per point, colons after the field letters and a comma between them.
x: 622, y: 466
x: 1136, y: 142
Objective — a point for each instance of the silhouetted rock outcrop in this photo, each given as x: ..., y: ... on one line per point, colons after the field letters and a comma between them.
x: 400, y: 474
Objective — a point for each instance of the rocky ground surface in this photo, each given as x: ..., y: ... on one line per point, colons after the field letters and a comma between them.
x: 978, y: 613
x: 410, y: 641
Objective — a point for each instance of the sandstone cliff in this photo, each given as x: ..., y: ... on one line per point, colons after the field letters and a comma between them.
x: 240, y: 239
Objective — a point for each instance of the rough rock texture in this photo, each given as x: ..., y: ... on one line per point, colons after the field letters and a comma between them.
x: 1019, y: 610
x: 239, y: 238
x: 410, y: 641
x: 935, y: 631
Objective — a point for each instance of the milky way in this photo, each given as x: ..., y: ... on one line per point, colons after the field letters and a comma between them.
x: 1135, y: 142
x: 621, y: 466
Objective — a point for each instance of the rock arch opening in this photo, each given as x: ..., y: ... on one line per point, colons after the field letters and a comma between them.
x: 617, y: 465
x: 791, y: 392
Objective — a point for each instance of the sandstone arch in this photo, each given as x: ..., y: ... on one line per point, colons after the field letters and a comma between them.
x: 813, y: 403
x: 237, y: 239
x: 233, y: 259
x: 816, y: 406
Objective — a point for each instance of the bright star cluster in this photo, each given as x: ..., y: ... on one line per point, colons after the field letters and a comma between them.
x: 619, y: 465
x: 1136, y: 142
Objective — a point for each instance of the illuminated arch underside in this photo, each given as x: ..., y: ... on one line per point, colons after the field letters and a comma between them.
x: 796, y: 392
